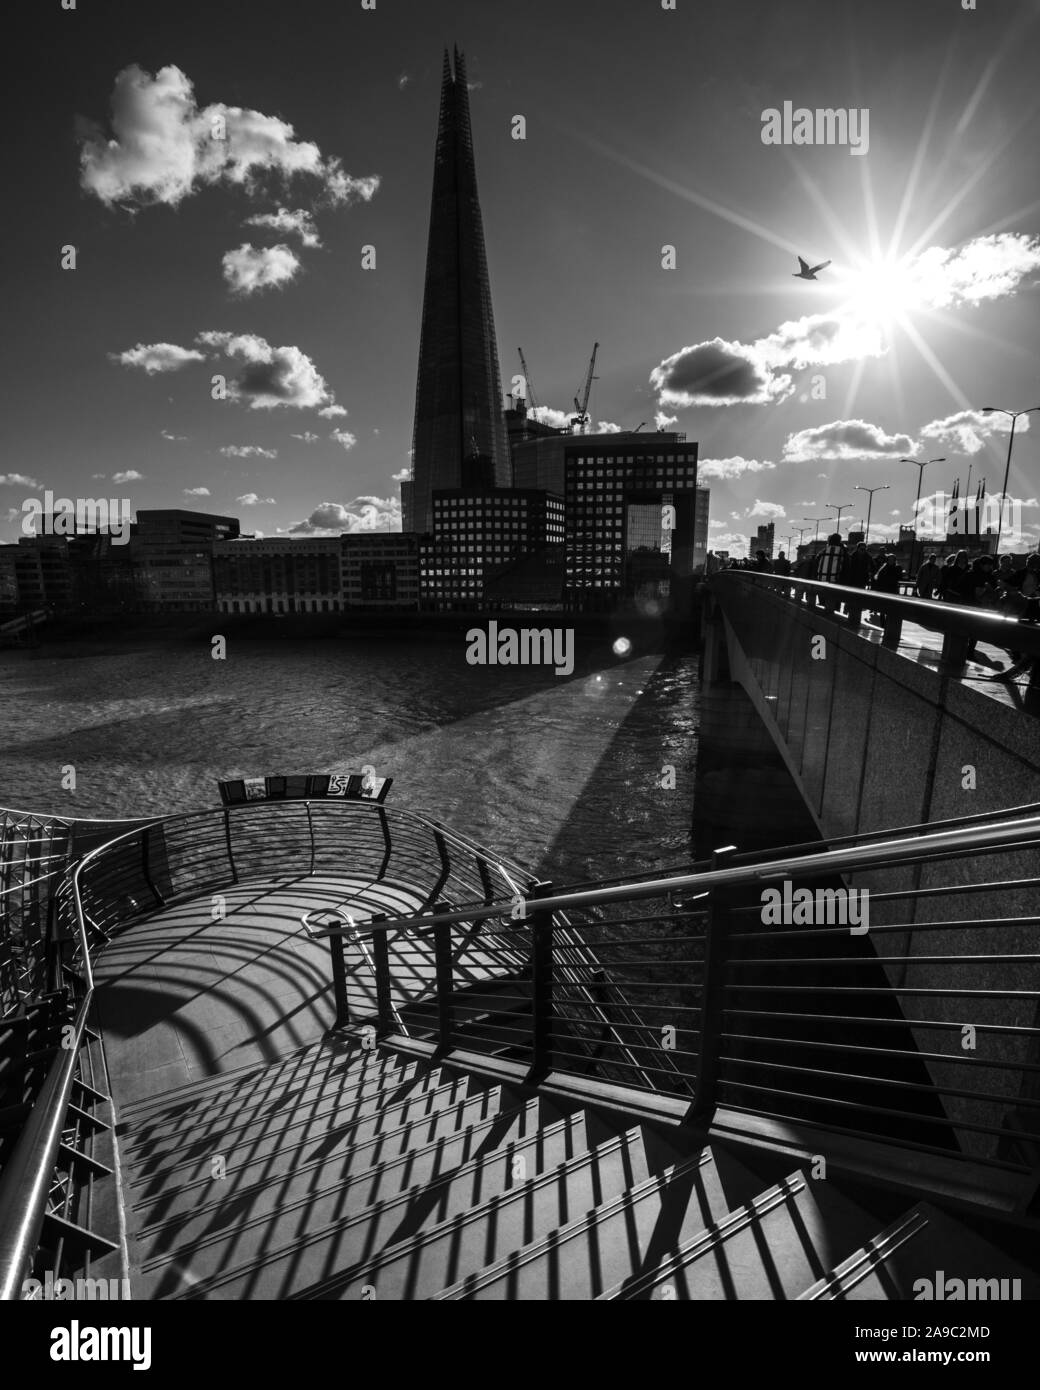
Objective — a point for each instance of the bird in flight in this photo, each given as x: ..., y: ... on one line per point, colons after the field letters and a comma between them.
x: 807, y: 272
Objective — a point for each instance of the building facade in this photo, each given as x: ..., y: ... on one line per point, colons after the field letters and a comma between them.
x: 475, y: 534
x: 380, y: 569
x: 616, y: 490
x: 172, y: 554
x: 459, y: 437
x: 278, y: 576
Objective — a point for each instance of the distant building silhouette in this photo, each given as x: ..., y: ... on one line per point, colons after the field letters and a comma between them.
x: 459, y: 438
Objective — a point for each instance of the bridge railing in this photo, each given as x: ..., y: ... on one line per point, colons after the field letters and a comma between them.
x: 960, y: 627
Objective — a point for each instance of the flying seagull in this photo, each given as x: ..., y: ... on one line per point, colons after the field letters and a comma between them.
x: 806, y: 272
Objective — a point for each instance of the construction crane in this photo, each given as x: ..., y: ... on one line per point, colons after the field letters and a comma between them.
x: 581, y: 420
x: 529, y: 399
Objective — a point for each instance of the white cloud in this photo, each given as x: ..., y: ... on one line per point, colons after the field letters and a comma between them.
x: 332, y: 412
x: 297, y: 222
x: 734, y: 467
x: 245, y: 451
x: 196, y: 492
x: 273, y: 376
x: 174, y: 438
x: 546, y: 415
x: 362, y: 514
x: 769, y: 511
x: 164, y: 147
x: 18, y: 480
x: 717, y: 372
x: 157, y: 357
x: 605, y: 427
x: 251, y: 499
x: 249, y: 269
x: 405, y: 475
x: 988, y: 267
x: 344, y: 437
x: 968, y: 431
x: 845, y: 439
x: 130, y: 475
x: 665, y: 422
x: 307, y: 437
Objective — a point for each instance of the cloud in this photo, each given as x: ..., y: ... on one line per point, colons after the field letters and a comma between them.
x: 164, y: 147
x: 245, y: 451
x: 546, y: 415
x: 344, y: 437
x: 250, y: 269
x: 250, y: 499
x: 665, y: 422
x: 174, y: 438
x: 988, y: 267
x: 307, y: 437
x: 129, y: 475
x: 332, y: 412
x: 734, y: 467
x: 769, y: 511
x: 968, y: 431
x: 18, y: 480
x: 845, y: 439
x: 403, y: 476
x: 605, y: 427
x: 273, y: 376
x: 297, y: 222
x: 717, y: 373
x: 157, y: 357
x: 196, y: 492
x: 362, y: 514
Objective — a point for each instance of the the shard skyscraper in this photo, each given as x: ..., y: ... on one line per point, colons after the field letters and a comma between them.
x: 460, y: 436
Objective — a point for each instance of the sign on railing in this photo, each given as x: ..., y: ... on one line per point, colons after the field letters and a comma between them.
x: 349, y: 786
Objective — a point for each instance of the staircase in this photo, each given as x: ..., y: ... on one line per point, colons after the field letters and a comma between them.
x: 340, y: 1172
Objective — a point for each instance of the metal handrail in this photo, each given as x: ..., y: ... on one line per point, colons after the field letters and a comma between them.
x: 970, y: 839
x: 934, y: 614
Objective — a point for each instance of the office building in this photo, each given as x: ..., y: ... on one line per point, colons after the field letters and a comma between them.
x: 286, y: 575
x: 380, y: 569
x: 476, y: 534
x: 459, y: 437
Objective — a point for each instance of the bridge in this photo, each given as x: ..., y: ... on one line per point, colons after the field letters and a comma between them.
x: 333, y: 1050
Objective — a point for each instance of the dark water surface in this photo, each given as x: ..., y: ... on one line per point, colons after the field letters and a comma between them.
x: 561, y: 774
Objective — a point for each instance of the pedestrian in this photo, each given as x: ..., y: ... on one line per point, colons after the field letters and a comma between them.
x: 928, y: 577
x: 957, y: 584
x: 861, y: 567
x: 781, y: 565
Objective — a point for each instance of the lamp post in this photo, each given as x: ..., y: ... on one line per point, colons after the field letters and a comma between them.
x: 817, y: 519
x: 1015, y: 416
x: 870, y: 503
x: 845, y: 507
x: 921, y: 465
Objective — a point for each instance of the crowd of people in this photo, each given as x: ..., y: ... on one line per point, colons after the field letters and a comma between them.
x: 982, y: 582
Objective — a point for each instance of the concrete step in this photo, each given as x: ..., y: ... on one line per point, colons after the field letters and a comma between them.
x: 928, y: 1255
x: 429, y: 1245
x: 375, y: 1206
x: 276, y: 1085
x: 770, y: 1249
x: 457, y: 1102
x: 393, y: 1161
x: 618, y: 1238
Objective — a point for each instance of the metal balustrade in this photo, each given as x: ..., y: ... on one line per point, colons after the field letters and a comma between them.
x: 960, y: 627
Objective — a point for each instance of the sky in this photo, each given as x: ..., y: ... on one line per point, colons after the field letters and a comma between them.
x: 222, y: 341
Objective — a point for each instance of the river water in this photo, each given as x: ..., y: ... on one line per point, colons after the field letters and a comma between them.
x: 563, y: 775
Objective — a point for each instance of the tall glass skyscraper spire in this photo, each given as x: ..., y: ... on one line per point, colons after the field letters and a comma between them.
x: 460, y: 436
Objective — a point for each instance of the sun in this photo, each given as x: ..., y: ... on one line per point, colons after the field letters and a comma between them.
x: 884, y: 290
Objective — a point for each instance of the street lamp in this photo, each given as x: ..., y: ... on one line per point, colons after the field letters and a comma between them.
x: 1015, y: 414
x: 921, y: 465
x: 870, y: 503
x: 845, y: 507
